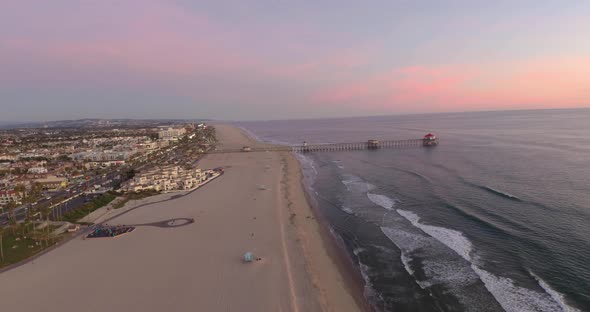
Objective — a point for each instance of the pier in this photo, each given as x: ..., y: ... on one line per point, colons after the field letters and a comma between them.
x: 427, y: 141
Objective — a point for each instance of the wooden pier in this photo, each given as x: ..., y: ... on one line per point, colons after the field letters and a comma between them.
x: 334, y: 147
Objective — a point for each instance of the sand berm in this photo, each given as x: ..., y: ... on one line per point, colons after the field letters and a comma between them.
x: 258, y: 205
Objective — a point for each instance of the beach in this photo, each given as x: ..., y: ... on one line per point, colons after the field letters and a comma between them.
x: 257, y: 206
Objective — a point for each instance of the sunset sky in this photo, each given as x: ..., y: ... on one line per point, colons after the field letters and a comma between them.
x: 279, y: 59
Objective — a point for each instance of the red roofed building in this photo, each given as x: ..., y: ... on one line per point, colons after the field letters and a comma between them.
x: 430, y: 140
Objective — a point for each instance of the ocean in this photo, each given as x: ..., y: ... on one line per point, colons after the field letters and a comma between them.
x: 494, y: 218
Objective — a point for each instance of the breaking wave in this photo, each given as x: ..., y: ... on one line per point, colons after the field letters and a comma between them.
x: 554, y: 294
x: 511, y: 297
x: 500, y: 193
x: 381, y: 200
x: 356, y: 184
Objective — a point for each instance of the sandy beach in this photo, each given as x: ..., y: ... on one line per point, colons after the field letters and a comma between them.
x: 258, y: 205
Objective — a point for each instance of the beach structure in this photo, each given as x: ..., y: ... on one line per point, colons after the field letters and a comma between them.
x: 373, y: 144
x: 52, y: 183
x: 429, y: 140
x: 248, y: 257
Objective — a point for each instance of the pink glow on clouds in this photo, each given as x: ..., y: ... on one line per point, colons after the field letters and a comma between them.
x: 161, y: 41
x: 551, y: 83
x: 153, y: 37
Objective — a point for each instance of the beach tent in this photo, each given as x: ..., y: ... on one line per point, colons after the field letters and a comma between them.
x: 248, y: 257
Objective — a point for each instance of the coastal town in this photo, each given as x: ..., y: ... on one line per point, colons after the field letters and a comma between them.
x: 58, y: 173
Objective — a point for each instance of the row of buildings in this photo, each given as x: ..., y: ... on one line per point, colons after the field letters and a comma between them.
x: 169, y: 178
x: 55, y: 159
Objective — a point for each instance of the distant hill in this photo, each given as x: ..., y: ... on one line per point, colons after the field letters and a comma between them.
x: 98, y: 123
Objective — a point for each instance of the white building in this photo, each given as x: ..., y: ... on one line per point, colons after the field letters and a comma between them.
x: 171, y: 133
x: 8, y: 196
x: 168, y: 178
x: 37, y: 170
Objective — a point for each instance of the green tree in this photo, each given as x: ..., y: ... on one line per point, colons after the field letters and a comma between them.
x: 64, y: 158
x: 129, y: 174
x: 11, y: 206
x: 36, y: 189
x: 21, y: 189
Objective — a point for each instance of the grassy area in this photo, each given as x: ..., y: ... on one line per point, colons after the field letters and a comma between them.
x: 87, y: 208
x: 134, y: 196
x: 17, y: 246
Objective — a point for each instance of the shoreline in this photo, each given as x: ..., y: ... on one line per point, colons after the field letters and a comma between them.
x: 354, y: 281
x: 345, y: 263
x: 349, y: 273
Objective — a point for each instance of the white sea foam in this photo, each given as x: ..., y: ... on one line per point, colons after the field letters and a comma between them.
x: 451, y: 238
x: 444, y: 270
x: 381, y: 200
x: 406, y: 241
x: 356, y: 184
x: 511, y: 297
x: 347, y: 209
x: 365, y: 271
x: 514, y: 298
x: 557, y: 297
x: 251, y: 134
x: 307, y: 163
x: 406, y: 261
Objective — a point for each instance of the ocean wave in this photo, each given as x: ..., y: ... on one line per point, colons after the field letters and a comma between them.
x: 381, y: 200
x: 356, y: 184
x: 407, y: 243
x: 411, y: 172
x: 370, y: 293
x: 308, y: 165
x: 251, y: 135
x: 451, y: 238
x: 493, y: 191
x: 501, y: 193
x: 557, y: 297
x: 347, y: 209
x: 511, y: 297
x: 406, y: 262
x: 439, y: 267
x: 514, y: 298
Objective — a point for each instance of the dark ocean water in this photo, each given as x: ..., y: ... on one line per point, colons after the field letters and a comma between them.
x: 495, y: 218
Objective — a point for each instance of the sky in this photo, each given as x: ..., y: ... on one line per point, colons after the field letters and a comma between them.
x: 282, y: 59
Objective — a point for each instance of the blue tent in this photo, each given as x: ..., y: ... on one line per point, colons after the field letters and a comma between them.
x: 248, y: 257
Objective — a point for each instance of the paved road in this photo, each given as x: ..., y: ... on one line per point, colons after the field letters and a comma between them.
x: 74, y: 193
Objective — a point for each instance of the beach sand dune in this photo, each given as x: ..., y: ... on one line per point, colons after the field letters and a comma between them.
x: 258, y: 205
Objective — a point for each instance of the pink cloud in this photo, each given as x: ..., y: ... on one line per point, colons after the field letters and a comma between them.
x: 152, y: 37
x: 559, y: 82
x: 338, y: 61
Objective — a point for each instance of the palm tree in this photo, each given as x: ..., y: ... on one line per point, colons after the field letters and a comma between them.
x: 45, y: 212
x: 1, y: 246
x: 11, y: 206
x: 36, y: 189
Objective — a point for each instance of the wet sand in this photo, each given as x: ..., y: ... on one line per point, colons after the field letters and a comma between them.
x: 258, y: 205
